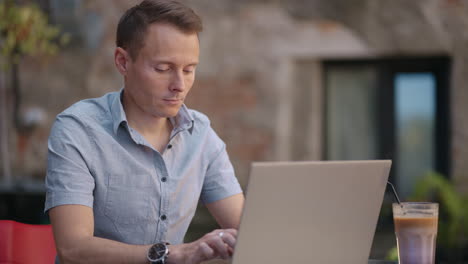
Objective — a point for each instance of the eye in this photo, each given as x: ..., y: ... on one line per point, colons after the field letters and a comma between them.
x: 161, y: 69
x: 189, y: 69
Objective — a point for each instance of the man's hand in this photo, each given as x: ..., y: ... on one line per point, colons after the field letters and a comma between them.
x: 218, y: 244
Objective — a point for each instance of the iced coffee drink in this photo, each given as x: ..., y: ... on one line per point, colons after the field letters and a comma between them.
x: 416, y: 231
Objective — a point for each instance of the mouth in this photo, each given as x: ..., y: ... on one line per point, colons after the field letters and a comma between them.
x: 173, y: 101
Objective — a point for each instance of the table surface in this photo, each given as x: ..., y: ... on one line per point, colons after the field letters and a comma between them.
x: 371, y: 261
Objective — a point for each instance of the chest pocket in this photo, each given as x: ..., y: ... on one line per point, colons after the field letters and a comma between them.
x: 128, y: 205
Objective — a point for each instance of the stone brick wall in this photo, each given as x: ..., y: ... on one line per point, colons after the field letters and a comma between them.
x: 259, y: 78
x: 260, y: 73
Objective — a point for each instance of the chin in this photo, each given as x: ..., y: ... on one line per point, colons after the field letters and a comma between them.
x: 168, y: 113
x: 172, y: 115
x: 173, y: 112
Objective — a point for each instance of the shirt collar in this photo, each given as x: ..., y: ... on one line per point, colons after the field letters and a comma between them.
x: 183, y: 119
x: 117, y: 111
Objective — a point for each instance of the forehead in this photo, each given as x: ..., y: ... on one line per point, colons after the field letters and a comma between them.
x: 167, y: 41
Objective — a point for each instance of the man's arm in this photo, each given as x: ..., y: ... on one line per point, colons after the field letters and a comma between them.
x: 228, y: 211
x: 73, y: 227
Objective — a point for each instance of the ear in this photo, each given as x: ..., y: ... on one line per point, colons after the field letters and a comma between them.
x: 121, y: 60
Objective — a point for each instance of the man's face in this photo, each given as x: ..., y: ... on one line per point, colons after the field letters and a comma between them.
x: 159, y: 78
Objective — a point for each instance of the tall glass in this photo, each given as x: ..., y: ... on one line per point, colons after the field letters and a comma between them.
x: 416, y: 231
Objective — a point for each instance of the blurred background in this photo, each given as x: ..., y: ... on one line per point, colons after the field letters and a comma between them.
x: 280, y: 80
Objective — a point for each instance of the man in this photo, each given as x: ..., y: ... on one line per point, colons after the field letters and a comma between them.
x: 126, y: 171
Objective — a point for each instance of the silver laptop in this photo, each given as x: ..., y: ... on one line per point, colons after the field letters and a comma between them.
x: 321, y: 212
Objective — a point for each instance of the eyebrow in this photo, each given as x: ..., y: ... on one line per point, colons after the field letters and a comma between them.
x: 172, y: 63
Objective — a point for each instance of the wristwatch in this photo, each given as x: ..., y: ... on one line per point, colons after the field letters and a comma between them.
x: 157, y: 253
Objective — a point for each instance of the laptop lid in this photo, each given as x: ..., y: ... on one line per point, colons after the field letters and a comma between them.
x: 311, y: 212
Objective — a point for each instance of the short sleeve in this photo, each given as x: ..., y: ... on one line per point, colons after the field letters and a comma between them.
x: 220, y: 180
x: 68, y: 179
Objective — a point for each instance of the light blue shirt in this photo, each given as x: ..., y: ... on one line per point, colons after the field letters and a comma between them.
x: 138, y: 195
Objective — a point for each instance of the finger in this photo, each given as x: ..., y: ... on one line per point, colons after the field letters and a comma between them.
x: 217, y: 243
x: 231, y: 231
x: 206, y: 251
x: 229, y: 239
x: 230, y: 251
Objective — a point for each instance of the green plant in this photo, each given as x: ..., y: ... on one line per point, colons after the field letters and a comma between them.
x: 453, y: 210
x: 392, y: 254
x: 453, y: 215
x: 25, y: 30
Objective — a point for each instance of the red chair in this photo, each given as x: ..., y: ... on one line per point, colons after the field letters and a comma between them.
x: 23, y: 243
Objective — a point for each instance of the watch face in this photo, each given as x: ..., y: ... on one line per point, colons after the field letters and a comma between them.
x: 157, y: 252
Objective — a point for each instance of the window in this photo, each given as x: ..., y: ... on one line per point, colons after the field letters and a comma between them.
x: 415, y: 105
x: 389, y: 109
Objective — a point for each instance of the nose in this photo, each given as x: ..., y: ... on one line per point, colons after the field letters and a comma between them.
x: 177, y: 83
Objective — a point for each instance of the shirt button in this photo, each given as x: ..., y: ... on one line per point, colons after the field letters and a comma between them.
x: 163, y: 217
x: 164, y: 179
x: 169, y: 146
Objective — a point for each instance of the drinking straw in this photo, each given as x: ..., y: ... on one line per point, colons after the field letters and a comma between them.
x: 394, y: 192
